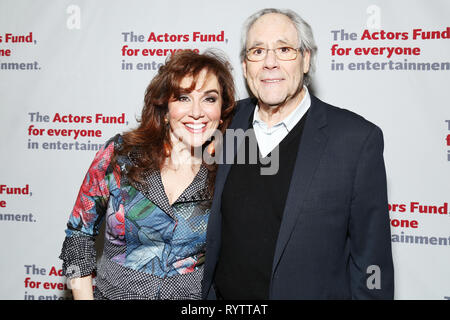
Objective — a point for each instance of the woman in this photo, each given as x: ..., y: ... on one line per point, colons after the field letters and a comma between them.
x: 154, y: 189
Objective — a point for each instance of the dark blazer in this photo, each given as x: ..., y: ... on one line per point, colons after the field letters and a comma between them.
x: 335, y: 232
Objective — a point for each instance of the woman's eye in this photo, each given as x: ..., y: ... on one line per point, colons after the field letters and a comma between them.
x: 183, y: 98
x: 211, y: 99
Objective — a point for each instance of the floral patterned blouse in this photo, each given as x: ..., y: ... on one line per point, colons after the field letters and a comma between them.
x: 152, y: 250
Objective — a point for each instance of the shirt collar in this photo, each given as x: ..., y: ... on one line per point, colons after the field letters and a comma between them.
x: 291, y: 120
x: 153, y: 189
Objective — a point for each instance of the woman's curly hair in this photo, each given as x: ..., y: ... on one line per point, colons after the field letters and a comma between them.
x: 152, y: 136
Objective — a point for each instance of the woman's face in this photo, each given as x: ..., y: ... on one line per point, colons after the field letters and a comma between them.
x: 195, y: 115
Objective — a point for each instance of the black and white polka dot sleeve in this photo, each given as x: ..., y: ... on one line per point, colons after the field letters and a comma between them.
x: 79, y: 256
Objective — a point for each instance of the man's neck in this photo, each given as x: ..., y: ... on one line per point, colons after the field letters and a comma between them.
x: 272, y: 115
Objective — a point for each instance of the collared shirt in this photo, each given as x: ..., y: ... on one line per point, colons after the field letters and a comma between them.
x: 269, y: 138
x: 152, y: 249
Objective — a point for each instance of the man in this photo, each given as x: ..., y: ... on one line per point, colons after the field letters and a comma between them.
x: 319, y: 227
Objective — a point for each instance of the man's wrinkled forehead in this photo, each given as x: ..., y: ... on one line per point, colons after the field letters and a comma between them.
x: 273, y: 28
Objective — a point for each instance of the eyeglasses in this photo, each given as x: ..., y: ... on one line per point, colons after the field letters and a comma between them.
x: 282, y: 53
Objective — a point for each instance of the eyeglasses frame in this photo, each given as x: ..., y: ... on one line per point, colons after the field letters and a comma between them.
x: 297, y: 50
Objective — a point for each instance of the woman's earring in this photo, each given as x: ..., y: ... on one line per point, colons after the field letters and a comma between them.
x: 211, y: 148
x: 166, y: 149
x: 166, y: 121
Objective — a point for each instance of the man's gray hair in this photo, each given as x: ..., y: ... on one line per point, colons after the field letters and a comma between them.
x: 304, y: 31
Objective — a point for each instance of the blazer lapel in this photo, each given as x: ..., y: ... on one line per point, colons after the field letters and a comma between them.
x: 311, y: 147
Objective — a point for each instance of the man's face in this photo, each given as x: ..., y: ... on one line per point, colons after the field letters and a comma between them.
x: 275, y: 82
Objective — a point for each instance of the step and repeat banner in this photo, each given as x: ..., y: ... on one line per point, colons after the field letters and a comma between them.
x: 73, y: 74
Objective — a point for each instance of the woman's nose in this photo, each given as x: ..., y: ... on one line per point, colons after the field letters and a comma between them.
x: 196, y: 109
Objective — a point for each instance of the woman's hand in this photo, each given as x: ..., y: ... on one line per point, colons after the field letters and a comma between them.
x: 82, y: 288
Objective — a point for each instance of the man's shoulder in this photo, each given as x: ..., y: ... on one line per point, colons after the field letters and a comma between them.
x: 338, y: 118
x: 342, y: 118
x: 242, y: 112
x: 245, y: 105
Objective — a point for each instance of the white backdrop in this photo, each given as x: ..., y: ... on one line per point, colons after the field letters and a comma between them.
x: 61, y: 58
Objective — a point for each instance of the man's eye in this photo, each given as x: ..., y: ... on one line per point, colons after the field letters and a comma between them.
x: 284, y: 49
x: 258, y: 51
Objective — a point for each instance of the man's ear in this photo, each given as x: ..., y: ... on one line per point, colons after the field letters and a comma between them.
x: 306, y: 56
x: 244, y: 68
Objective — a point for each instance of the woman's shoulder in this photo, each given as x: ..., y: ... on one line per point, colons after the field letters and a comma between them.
x: 110, y: 154
x: 115, y: 142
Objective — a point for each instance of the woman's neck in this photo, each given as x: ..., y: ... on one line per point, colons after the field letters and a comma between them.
x: 182, y: 158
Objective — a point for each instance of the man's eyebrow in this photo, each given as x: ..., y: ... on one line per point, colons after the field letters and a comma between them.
x: 257, y: 44
x: 281, y: 41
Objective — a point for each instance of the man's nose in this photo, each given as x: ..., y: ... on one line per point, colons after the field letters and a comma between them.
x: 271, y: 61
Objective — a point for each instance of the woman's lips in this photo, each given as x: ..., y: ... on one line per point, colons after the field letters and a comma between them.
x: 195, y: 127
